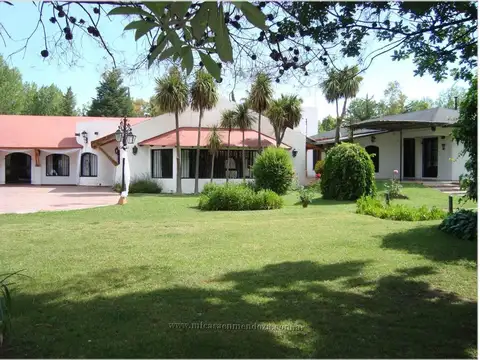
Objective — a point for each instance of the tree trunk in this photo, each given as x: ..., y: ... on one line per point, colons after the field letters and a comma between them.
x: 179, y: 159
x: 211, y: 171
x: 259, y: 131
x: 197, y: 160
x: 243, y: 154
x: 227, y: 170
x: 339, y: 122
x: 344, y: 112
x: 281, y: 137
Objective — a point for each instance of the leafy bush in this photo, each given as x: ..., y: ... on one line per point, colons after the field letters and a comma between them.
x: 348, y: 173
x: 141, y: 184
x: 394, y: 188
x: 371, y: 206
x: 5, y: 306
x: 305, y: 195
x: 462, y: 224
x: 208, y: 188
x: 273, y: 170
x: 237, y: 197
x: 319, y: 165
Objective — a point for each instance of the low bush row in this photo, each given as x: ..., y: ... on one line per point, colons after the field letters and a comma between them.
x: 141, y: 185
x: 462, y: 224
x: 371, y: 206
x: 238, y: 197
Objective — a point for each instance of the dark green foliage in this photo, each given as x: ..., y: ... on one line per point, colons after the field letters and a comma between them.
x: 462, y: 224
x: 141, y: 185
x: 465, y: 131
x: 68, y: 103
x: 11, y: 89
x: 238, y: 197
x: 273, y: 170
x: 348, y: 173
x: 113, y: 99
x: 368, y: 205
x: 319, y: 166
x: 209, y: 188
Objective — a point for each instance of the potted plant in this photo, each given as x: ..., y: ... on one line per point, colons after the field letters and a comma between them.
x: 305, y: 196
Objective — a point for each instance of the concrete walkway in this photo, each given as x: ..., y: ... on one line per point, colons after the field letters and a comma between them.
x: 28, y: 198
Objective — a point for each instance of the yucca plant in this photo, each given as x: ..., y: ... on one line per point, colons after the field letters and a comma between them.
x: 204, y: 97
x: 5, y: 305
x: 171, y: 93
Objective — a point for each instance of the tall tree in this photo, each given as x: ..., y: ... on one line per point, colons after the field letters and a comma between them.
x: 171, y: 93
x: 11, y: 90
x: 113, y: 99
x: 394, y: 100
x: 446, y: 98
x: 284, y: 113
x: 30, y: 93
x: 417, y: 105
x: 140, y: 107
x: 259, y: 97
x: 243, y: 119
x: 465, y: 131
x: 204, y: 96
x: 328, y: 123
x: 48, y: 100
x: 214, y: 144
x: 341, y: 84
x: 69, y: 103
x: 228, y: 122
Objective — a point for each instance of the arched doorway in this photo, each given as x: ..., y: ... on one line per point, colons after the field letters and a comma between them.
x: 18, y: 168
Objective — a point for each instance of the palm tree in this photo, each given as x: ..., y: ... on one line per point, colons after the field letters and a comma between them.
x: 204, y: 97
x: 171, y: 93
x: 284, y: 113
x: 243, y: 119
x: 340, y: 84
x: 227, y: 122
x: 276, y: 116
x: 214, y: 144
x: 259, y: 97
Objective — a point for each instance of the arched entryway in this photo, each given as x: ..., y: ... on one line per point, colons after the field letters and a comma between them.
x: 18, y: 168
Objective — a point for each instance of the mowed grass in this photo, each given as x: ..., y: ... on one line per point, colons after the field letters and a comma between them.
x: 109, y: 282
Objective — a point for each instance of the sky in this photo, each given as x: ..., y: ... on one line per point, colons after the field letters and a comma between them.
x: 84, y: 75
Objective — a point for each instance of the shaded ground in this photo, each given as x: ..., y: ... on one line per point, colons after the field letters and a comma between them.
x: 138, y: 280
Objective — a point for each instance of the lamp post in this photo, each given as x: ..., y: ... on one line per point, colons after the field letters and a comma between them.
x: 125, y: 137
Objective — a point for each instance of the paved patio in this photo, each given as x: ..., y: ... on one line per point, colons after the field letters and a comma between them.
x: 27, y: 199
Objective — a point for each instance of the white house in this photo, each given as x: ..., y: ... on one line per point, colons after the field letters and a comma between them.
x: 418, y: 144
x: 52, y: 150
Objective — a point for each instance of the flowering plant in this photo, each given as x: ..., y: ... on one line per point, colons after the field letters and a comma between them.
x: 394, y: 188
x: 318, y: 176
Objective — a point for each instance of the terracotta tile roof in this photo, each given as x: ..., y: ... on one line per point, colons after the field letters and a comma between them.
x: 47, y: 132
x: 188, y: 138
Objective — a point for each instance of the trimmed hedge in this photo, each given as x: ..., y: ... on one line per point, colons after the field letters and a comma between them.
x: 238, y: 197
x: 273, y: 170
x: 348, y: 173
x: 401, y: 212
x: 462, y: 224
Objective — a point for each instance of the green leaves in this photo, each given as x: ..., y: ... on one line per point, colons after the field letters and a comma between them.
x: 252, y: 13
x: 127, y: 10
x: 142, y: 27
x: 222, y: 38
x: 200, y: 21
x: 161, y: 43
x: 212, y: 67
x: 187, y: 59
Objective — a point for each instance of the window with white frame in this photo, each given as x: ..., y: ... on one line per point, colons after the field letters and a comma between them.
x: 89, y: 165
x: 162, y: 163
x: 58, y: 165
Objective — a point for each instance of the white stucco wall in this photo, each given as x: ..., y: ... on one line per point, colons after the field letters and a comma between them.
x: 72, y: 179
x: 458, y: 161
x: 389, y: 157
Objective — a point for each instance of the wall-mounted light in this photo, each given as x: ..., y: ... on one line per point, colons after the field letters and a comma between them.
x: 294, y: 152
x: 373, y: 138
x: 135, y: 150
x: 443, y: 146
x: 85, y: 136
x: 433, y: 128
x: 96, y: 132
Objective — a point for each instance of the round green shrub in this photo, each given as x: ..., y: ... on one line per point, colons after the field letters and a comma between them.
x: 462, y: 224
x: 348, y: 173
x: 273, y: 170
x: 319, y: 165
x: 237, y: 197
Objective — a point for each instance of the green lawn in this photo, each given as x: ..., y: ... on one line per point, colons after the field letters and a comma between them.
x: 107, y: 282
